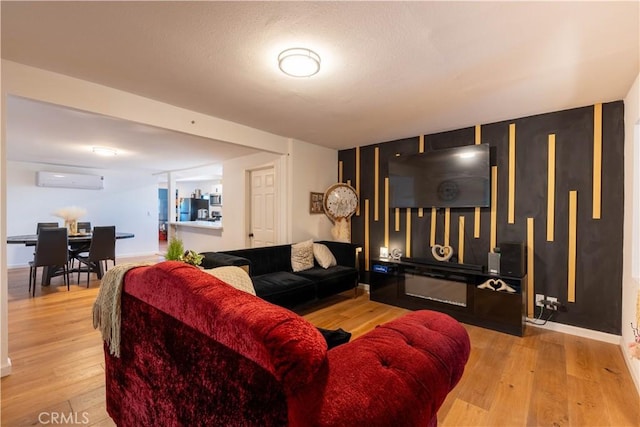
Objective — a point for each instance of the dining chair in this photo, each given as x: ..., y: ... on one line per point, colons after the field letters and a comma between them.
x: 52, y: 252
x: 102, y: 248
x: 84, y: 226
x: 77, y: 249
x: 42, y: 225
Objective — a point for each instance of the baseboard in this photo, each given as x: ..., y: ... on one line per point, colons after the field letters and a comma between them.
x: 628, y: 360
x: 579, y: 332
x: 6, y: 368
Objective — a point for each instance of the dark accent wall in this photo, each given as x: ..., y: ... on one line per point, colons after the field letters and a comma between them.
x: 598, y: 285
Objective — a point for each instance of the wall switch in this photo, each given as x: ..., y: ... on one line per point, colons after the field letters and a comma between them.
x: 539, y: 298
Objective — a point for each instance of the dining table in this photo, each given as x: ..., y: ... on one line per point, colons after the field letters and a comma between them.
x: 78, y: 243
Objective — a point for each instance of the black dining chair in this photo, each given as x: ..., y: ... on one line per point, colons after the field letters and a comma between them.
x: 42, y: 225
x: 77, y: 249
x: 102, y: 248
x: 52, y: 252
x: 86, y: 226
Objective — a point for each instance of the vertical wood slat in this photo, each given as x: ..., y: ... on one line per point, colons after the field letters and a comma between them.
x: 494, y: 207
x: 530, y: 267
x: 358, y: 178
x: 432, y: 237
x: 461, y: 240
x: 421, y: 150
x: 551, y: 187
x: 376, y: 183
x: 408, y: 235
x: 366, y: 235
x: 597, y: 161
x: 340, y: 170
x: 386, y: 212
x: 447, y: 225
x: 397, y: 219
x: 511, y: 216
x: 476, y: 213
x: 571, y: 279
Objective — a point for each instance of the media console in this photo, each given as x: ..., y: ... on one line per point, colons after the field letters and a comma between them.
x: 451, y: 288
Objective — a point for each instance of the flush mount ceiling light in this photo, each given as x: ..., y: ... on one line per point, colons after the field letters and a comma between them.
x: 299, y: 62
x: 104, y: 151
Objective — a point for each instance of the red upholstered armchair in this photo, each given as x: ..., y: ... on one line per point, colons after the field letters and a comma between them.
x: 196, y: 352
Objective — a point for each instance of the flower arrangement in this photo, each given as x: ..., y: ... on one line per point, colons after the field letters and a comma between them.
x: 71, y: 214
x: 634, y: 347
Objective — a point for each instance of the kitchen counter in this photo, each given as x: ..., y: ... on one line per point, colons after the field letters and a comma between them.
x: 210, y: 225
x: 199, y: 236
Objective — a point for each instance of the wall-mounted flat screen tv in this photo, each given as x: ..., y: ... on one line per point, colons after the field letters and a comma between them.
x: 449, y: 178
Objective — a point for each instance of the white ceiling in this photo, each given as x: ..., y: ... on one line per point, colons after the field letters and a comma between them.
x: 389, y: 69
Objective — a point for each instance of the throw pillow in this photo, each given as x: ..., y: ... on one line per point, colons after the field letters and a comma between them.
x: 234, y: 276
x: 302, y: 256
x: 323, y: 256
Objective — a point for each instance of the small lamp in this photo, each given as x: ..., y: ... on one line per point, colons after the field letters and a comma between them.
x: 384, y: 252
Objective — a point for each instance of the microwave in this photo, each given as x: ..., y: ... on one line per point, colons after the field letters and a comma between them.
x: 215, y: 199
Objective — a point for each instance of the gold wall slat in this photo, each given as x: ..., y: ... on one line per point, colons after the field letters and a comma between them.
x: 420, y: 212
x: 376, y: 183
x: 461, y: 240
x: 476, y: 213
x: 340, y: 170
x: 386, y: 212
x: 494, y: 207
x: 408, y: 239
x: 397, y: 215
x: 530, y: 267
x: 349, y: 182
x: 476, y: 223
x: 571, y: 279
x: 358, y: 177
x: 421, y: 144
x: 511, y: 217
x: 597, y: 160
x: 432, y: 238
x: 447, y: 225
x: 551, y: 187
x: 366, y: 234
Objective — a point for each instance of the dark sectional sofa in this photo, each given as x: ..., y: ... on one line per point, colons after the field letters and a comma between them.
x: 274, y: 280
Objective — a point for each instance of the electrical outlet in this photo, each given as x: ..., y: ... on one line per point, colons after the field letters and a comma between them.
x: 552, y: 300
x: 539, y: 299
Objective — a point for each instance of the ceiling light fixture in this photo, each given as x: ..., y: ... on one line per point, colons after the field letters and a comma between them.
x: 299, y: 62
x: 104, y: 151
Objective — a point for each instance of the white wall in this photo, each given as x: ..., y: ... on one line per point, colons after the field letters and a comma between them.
x: 313, y: 169
x: 5, y: 361
x: 631, y: 244
x: 129, y: 201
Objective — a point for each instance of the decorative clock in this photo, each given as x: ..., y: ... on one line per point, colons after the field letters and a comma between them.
x: 340, y: 201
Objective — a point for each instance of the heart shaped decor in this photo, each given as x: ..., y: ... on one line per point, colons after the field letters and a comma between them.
x: 441, y: 253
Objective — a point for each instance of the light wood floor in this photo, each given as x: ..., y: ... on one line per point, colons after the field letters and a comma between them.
x: 543, y: 379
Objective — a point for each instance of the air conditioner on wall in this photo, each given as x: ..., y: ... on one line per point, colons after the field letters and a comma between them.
x: 69, y: 180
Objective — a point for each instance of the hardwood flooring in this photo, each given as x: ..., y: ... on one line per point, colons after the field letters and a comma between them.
x: 543, y: 379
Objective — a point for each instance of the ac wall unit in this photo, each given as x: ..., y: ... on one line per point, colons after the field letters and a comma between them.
x: 69, y: 180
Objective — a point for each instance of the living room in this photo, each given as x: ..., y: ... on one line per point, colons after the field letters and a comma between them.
x: 305, y: 167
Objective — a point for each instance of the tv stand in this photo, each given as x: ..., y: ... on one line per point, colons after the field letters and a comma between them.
x: 451, y: 288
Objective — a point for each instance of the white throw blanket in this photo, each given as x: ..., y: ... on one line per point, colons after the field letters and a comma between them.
x: 106, y: 308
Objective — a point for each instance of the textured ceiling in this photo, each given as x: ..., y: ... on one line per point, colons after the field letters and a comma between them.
x: 389, y: 69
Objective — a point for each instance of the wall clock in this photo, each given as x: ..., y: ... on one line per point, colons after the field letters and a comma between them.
x: 340, y: 203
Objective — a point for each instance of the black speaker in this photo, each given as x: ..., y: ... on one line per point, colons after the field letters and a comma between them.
x: 513, y: 259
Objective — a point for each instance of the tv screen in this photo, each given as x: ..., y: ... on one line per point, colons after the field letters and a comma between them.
x: 448, y: 178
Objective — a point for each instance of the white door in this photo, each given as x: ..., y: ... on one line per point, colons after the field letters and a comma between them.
x: 262, y: 228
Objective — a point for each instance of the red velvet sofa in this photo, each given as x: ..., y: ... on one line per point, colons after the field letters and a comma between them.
x: 197, y: 352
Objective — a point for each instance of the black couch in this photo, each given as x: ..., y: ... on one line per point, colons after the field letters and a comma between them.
x: 274, y: 280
